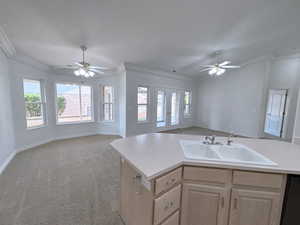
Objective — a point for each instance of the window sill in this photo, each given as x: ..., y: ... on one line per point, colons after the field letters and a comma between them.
x: 143, y: 122
x: 107, y: 121
x: 74, y: 123
x: 36, y: 127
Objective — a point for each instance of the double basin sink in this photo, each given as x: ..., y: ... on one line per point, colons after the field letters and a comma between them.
x: 234, y: 153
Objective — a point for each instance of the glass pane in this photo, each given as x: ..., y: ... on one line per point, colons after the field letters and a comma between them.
x: 68, y: 104
x: 160, y: 106
x: 108, y: 94
x: 142, y: 112
x: 187, y: 109
x: 174, y: 109
x: 34, y: 114
x: 187, y: 97
x: 108, y: 111
x: 86, y: 103
x: 32, y: 90
x: 33, y: 103
x: 142, y: 97
x: 161, y: 124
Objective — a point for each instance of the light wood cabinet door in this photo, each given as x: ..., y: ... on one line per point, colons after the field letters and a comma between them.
x: 136, y: 201
x: 204, y: 205
x: 254, y: 207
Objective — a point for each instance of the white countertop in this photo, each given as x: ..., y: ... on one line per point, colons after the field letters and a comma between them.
x: 158, y: 153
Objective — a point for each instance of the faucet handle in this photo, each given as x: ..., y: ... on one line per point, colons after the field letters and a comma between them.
x: 229, y: 141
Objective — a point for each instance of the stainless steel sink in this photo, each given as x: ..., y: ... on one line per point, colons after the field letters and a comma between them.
x: 235, y: 153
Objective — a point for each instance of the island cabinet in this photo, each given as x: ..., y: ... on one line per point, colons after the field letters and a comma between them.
x: 191, y: 195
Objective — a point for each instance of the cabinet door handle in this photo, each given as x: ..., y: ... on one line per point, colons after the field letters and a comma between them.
x: 137, y: 180
x: 222, y: 202
x: 235, y: 202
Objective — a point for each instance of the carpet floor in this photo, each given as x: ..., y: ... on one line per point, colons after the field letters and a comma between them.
x: 67, y: 182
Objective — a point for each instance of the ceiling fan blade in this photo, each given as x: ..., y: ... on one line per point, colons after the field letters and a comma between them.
x: 78, y: 64
x: 96, y: 71
x: 210, y: 66
x: 230, y: 67
x: 99, y: 67
x: 206, y: 69
x: 224, y: 63
x: 69, y: 67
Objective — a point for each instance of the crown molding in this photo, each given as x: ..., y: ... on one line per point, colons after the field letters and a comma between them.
x: 155, y: 72
x: 6, y: 45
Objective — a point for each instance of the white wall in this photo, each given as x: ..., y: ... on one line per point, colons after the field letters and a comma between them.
x: 153, y: 79
x: 235, y: 101
x: 296, y: 135
x: 6, y: 120
x: 285, y: 74
x: 24, y: 67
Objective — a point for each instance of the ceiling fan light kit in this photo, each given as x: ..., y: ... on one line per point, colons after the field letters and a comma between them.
x: 85, y: 73
x: 218, y: 69
x: 83, y: 68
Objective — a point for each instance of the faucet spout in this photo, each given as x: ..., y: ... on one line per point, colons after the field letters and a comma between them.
x: 210, y: 139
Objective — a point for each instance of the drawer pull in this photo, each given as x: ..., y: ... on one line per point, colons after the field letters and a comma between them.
x: 168, y: 206
x: 170, y: 182
x: 235, y: 203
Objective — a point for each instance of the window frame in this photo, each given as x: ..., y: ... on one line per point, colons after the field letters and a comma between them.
x: 103, y: 103
x: 177, y: 106
x: 42, y: 102
x: 92, y: 103
x: 147, y: 105
x: 187, y: 115
x: 164, y: 106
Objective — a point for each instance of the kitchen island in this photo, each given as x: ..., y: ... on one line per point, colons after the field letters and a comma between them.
x: 159, y: 185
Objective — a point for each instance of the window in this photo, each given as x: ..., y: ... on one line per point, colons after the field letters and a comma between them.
x: 73, y: 103
x: 187, y: 103
x: 161, y: 109
x: 34, y: 103
x: 108, y: 100
x: 174, y: 109
x: 276, y: 111
x: 142, y: 101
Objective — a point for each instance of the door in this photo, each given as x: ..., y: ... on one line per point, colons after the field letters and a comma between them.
x: 254, y: 207
x: 173, y: 108
x: 275, y: 112
x: 136, y: 200
x: 204, y: 205
x: 167, y: 108
x: 161, y: 100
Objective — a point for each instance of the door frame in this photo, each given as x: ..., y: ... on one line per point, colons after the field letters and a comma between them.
x: 285, y: 114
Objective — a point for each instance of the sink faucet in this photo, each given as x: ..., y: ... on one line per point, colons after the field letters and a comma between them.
x: 229, y: 140
x: 210, y: 140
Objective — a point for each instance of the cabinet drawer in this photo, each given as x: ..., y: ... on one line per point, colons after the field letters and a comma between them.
x: 173, y: 220
x: 166, y: 204
x: 207, y: 174
x: 165, y: 182
x: 257, y: 179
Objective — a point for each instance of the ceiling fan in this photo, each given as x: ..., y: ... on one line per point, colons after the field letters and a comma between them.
x: 85, y: 69
x: 219, y: 68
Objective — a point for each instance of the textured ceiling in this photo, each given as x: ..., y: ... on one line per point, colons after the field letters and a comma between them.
x: 162, y: 34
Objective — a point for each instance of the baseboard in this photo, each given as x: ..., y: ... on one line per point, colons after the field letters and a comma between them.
x: 296, y: 140
x: 6, y: 162
x: 25, y: 147
x: 109, y: 133
x: 75, y: 136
